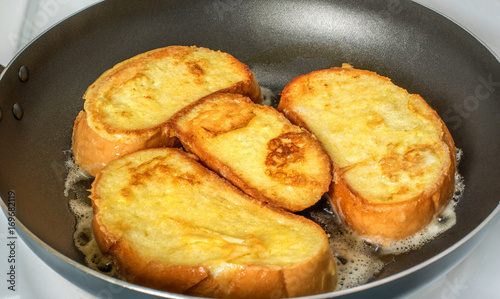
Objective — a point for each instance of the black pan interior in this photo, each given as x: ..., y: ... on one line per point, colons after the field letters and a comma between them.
x: 419, y: 49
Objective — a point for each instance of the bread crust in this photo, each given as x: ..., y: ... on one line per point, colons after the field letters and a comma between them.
x: 137, y: 269
x: 92, y: 152
x: 301, y: 280
x: 239, y: 280
x: 96, y: 141
x: 382, y: 222
x: 281, y: 165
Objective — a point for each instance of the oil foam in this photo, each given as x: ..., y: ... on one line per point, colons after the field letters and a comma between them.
x: 358, y: 261
x: 77, y: 184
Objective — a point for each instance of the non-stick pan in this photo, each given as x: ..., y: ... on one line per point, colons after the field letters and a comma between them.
x: 41, y: 93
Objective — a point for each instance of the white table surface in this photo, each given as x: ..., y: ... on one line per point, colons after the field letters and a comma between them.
x: 478, y: 276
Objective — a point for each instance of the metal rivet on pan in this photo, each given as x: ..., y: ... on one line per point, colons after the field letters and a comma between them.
x: 17, y: 110
x: 24, y: 74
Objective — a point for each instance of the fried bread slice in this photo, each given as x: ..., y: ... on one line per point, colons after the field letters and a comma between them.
x: 257, y: 149
x: 172, y: 224
x: 394, y: 159
x: 127, y: 107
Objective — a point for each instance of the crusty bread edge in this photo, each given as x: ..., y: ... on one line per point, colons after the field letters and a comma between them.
x: 92, y: 152
x: 386, y: 223
x: 317, y: 275
x: 96, y: 144
x: 378, y: 222
x: 249, y: 87
x: 226, y: 171
x: 309, y: 278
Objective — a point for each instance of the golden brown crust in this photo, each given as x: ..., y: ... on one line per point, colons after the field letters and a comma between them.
x: 127, y: 107
x: 382, y: 221
x: 212, y: 278
x: 92, y: 152
x: 129, y: 69
x: 287, y: 167
x: 137, y: 269
x: 385, y: 223
x: 303, y: 279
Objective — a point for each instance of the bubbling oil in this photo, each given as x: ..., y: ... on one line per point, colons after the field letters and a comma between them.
x: 268, y: 97
x: 77, y: 184
x: 358, y: 261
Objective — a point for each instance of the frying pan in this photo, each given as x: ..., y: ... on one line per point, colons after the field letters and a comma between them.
x: 417, y: 48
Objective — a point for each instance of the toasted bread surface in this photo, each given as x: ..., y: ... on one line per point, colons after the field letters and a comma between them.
x: 257, y: 149
x: 394, y: 158
x: 130, y: 103
x: 172, y: 224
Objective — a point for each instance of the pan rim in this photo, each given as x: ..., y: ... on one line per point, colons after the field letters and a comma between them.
x: 472, y: 34
x: 366, y: 286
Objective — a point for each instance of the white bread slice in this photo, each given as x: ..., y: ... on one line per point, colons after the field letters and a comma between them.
x: 257, y: 149
x: 127, y: 107
x: 394, y: 158
x: 172, y: 224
